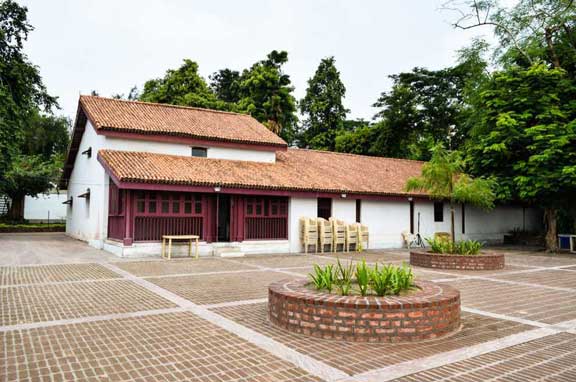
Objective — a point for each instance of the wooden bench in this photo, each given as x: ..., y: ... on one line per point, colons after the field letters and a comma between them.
x: 169, y: 238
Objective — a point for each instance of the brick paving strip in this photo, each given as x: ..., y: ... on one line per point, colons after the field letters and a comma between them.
x: 281, y: 351
x: 82, y: 320
x: 285, y: 270
x: 411, y: 367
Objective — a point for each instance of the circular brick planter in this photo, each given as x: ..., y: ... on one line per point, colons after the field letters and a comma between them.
x: 480, y: 262
x: 430, y: 312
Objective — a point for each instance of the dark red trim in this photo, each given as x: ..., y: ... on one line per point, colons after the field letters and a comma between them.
x: 128, y: 218
x: 202, y: 142
x: 255, y: 191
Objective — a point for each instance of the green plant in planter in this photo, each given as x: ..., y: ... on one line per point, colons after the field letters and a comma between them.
x: 380, y: 279
x: 363, y: 277
x: 401, y: 279
x: 463, y: 247
x: 323, y: 278
x: 344, y: 277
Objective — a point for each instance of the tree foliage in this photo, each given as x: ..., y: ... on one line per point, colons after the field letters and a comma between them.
x: 323, y: 108
x: 526, y: 136
x: 31, y: 143
x: 262, y: 91
x: 267, y: 95
x: 225, y: 83
x: 22, y: 91
x: 183, y: 86
x: 443, y: 178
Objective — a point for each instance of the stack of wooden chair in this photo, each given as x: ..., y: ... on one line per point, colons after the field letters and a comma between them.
x: 333, y: 233
x: 325, y: 235
x: 309, y: 233
x: 351, y: 237
x: 363, y: 235
x: 338, y: 234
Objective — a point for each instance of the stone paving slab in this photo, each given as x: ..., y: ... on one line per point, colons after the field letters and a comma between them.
x: 551, y: 359
x: 214, y: 289
x: 167, y: 347
x: 356, y: 358
x: 458, y: 272
x: 552, y: 278
x: 15, y: 275
x: 26, y: 304
x: 282, y: 261
x: 373, y: 257
x: 179, y: 266
x: 533, y: 303
x: 540, y: 260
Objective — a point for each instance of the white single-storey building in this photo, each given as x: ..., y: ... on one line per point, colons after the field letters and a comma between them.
x: 136, y: 171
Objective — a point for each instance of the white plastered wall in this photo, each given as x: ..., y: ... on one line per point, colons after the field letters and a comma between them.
x: 88, y: 219
x: 344, y: 209
x: 213, y: 152
x: 45, y: 207
x: 299, y: 207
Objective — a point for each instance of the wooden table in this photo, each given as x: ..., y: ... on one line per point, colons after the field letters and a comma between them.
x: 169, y: 238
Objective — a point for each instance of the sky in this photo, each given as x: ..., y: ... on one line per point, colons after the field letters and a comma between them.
x: 111, y: 45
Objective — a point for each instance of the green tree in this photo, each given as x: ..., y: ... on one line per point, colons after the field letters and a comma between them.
x: 525, y: 138
x: 47, y: 136
x: 323, y: 108
x: 183, y: 86
x: 28, y: 140
x: 530, y: 31
x: 267, y: 95
x: 28, y: 175
x: 443, y: 178
x: 425, y: 107
x: 358, y: 140
x: 22, y: 91
x: 225, y: 83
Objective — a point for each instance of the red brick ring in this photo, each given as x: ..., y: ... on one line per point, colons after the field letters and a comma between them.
x: 430, y: 312
x: 479, y: 262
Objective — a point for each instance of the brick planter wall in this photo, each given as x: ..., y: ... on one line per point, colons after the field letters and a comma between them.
x: 480, y: 262
x: 430, y: 312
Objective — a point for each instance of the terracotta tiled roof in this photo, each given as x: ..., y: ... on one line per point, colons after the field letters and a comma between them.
x: 154, y: 118
x: 294, y: 170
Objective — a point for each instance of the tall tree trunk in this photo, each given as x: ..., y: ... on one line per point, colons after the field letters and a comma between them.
x: 452, y: 232
x: 16, y: 212
x: 550, y: 220
x: 551, y: 49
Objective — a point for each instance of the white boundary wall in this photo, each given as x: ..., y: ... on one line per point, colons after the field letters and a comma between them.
x: 45, y: 207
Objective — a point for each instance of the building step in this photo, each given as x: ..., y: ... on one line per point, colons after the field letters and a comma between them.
x: 228, y: 252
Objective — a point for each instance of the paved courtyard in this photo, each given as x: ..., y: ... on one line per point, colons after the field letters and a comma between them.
x: 205, y: 320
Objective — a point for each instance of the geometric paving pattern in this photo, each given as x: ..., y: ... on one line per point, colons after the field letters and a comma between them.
x: 169, y: 347
x: 550, y: 359
x: 53, y: 273
x: 27, y: 304
x: 206, y: 320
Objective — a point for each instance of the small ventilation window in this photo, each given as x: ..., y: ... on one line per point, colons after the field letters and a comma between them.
x: 200, y: 152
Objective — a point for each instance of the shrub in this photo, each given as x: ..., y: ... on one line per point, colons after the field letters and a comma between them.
x: 323, y: 278
x: 401, y: 279
x: 463, y: 247
x: 363, y: 277
x: 344, y: 277
x: 382, y: 280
